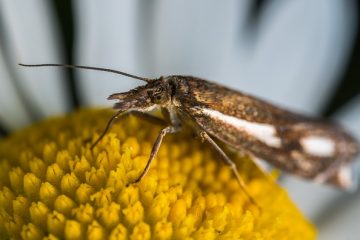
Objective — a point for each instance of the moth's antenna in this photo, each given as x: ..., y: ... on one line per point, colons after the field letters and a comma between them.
x: 87, y: 67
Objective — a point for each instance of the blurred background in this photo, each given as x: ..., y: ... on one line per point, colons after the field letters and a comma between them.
x: 300, y: 54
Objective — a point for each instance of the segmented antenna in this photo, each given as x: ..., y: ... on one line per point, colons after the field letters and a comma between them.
x: 88, y: 67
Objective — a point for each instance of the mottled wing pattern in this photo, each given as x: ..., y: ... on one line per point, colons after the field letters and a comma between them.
x: 298, y: 144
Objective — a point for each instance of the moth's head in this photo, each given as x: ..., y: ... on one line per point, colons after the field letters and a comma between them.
x: 155, y: 93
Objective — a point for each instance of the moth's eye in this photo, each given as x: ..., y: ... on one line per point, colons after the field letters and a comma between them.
x: 157, y: 98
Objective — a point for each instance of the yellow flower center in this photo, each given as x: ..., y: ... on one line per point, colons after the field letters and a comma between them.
x: 54, y: 187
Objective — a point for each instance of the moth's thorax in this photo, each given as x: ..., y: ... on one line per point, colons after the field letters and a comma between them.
x: 180, y: 89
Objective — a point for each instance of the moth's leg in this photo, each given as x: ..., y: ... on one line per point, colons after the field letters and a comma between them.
x: 148, y: 117
x: 166, y: 114
x: 108, y: 126
x: 155, y: 149
x: 120, y: 114
x: 231, y: 164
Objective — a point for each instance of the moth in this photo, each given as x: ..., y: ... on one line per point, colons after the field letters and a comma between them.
x: 303, y: 146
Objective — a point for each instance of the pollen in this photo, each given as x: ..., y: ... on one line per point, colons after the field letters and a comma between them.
x: 53, y: 186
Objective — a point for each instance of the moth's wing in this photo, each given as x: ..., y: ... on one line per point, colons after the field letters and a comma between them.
x: 298, y: 144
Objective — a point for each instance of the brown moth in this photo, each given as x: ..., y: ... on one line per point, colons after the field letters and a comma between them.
x: 307, y: 147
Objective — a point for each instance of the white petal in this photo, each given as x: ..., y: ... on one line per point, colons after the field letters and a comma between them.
x: 31, y: 35
x: 107, y: 38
